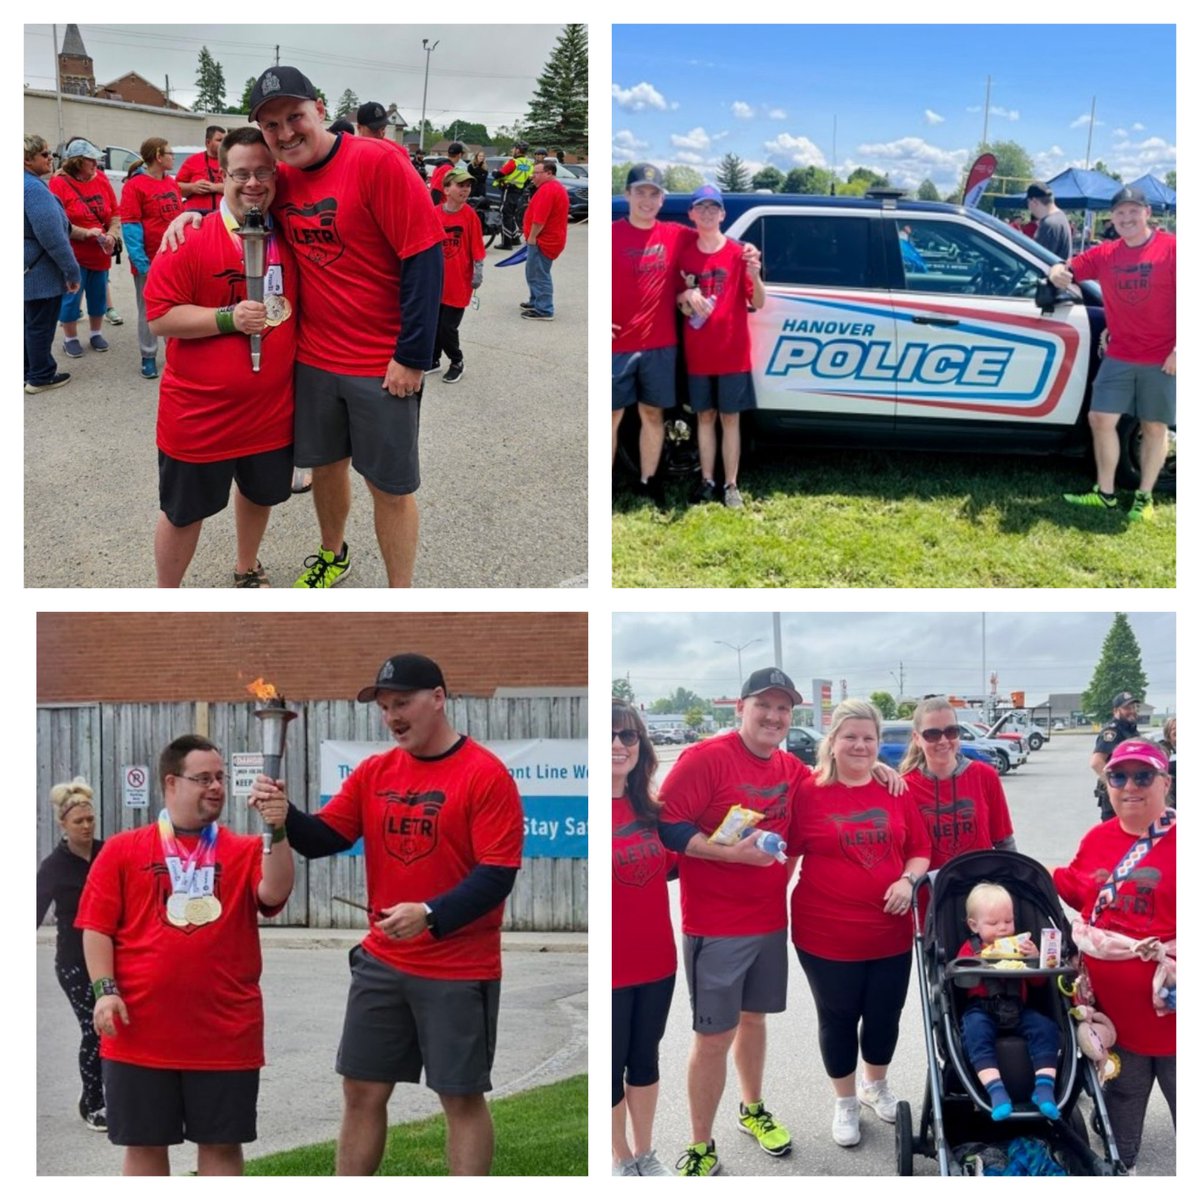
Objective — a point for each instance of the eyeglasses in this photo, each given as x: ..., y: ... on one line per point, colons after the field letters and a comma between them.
x: 43, y: 154
x: 262, y: 174
x: 205, y: 780
x: 1122, y: 779
x: 627, y: 737
x: 950, y: 733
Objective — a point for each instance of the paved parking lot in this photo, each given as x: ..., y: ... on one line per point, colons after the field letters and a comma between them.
x: 503, y: 460
x: 1051, y: 804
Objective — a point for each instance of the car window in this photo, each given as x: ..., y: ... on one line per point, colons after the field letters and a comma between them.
x: 945, y: 256
x: 814, y: 250
x: 121, y: 158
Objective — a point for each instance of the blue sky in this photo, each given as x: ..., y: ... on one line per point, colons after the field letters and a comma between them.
x: 908, y: 99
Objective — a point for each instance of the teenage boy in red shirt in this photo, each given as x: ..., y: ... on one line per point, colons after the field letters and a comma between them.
x: 201, y: 178
x: 464, y: 253
x: 545, y: 230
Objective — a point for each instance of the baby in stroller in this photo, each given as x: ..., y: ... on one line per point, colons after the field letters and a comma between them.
x: 995, y: 1007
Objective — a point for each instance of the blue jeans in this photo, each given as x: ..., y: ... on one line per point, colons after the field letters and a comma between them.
x: 979, y: 1038
x: 41, y: 316
x: 537, y: 275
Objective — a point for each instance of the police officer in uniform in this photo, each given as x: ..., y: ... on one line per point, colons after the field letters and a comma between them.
x: 1123, y: 725
x: 512, y: 179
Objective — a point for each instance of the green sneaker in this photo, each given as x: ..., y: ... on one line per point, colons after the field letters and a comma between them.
x: 324, y: 569
x: 1093, y: 499
x: 700, y: 1159
x: 756, y: 1121
x: 1142, y: 508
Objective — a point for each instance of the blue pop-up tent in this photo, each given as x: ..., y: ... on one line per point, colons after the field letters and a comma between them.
x: 1073, y: 188
x: 1161, y: 197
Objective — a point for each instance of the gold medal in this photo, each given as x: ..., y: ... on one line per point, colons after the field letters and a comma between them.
x: 178, y: 922
x: 279, y: 309
x: 197, y: 911
x: 176, y: 907
x: 214, y: 907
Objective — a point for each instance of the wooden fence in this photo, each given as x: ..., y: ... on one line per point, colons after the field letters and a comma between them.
x: 98, y: 740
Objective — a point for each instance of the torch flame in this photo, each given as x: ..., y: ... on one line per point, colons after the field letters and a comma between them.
x: 261, y: 690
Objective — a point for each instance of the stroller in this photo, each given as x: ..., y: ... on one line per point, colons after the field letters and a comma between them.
x: 956, y: 1112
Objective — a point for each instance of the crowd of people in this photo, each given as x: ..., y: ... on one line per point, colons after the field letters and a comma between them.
x: 864, y: 837
x: 349, y: 229
x: 158, y: 934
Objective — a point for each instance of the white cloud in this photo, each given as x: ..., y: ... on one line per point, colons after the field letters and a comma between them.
x: 695, y: 139
x: 1133, y: 159
x: 1082, y: 120
x: 932, y: 118
x: 777, y: 114
x: 907, y: 161
x: 690, y: 157
x: 1137, y: 127
x: 796, y: 150
x: 639, y: 97
x: 1120, y: 133
x: 742, y: 110
x: 625, y: 140
x: 1008, y: 114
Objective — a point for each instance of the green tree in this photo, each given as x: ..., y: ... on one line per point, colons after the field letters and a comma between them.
x: 244, y: 104
x: 683, y: 179
x: 905, y: 709
x: 620, y: 172
x: 886, y: 703
x: 210, y: 84
x: 770, y: 178
x: 347, y: 105
x: 928, y: 190
x: 1170, y: 180
x: 808, y: 181
x: 1119, y: 669
x: 694, y: 717
x: 558, y: 110
x: 623, y: 690
x: 470, y: 133
x: 1104, y: 169
x: 732, y: 175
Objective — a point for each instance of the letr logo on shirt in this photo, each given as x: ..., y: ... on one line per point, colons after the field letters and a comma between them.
x: 410, y: 824
x: 312, y: 230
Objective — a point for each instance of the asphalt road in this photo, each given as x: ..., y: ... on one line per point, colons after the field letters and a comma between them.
x: 1051, y: 804
x: 503, y: 460
x: 542, y: 1038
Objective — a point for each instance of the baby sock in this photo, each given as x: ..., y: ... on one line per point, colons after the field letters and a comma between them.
x: 1001, y: 1104
x: 1043, y: 1096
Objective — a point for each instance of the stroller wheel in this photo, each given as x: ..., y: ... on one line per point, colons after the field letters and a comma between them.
x: 904, y: 1139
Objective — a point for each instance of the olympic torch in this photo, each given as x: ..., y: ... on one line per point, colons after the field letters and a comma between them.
x: 253, y: 232
x: 274, y: 715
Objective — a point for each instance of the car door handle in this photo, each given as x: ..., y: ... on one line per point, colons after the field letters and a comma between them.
x: 944, y: 322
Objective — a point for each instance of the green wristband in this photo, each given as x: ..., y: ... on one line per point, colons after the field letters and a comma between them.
x: 225, y: 320
x: 278, y: 835
x: 107, y: 986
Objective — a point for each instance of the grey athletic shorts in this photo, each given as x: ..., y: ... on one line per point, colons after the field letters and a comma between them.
x: 396, y: 1024
x: 351, y: 416
x: 644, y: 377
x: 727, y: 976
x: 1140, y: 389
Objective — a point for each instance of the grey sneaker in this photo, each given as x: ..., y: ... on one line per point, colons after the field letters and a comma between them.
x: 628, y: 1167
x: 733, y: 498
x: 97, y: 342
x: 879, y: 1097
x: 72, y: 348
x: 648, y: 1164
x: 113, y: 317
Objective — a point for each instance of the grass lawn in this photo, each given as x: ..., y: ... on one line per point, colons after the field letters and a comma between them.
x: 870, y: 519
x: 539, y: 1132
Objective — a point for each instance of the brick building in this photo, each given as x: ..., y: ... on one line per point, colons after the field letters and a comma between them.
x: 132, y: 657
x: 77, y: 77
x: 133, y: 88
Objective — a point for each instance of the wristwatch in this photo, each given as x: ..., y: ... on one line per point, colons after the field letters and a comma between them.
x: 428, y: 916
x: 910, y: 877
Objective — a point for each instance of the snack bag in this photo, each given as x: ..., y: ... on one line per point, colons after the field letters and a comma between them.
x: 738, y: 822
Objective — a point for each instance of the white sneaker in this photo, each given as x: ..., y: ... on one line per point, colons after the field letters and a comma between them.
x: 648, y: 1164
x: 878, y: 1096
x: 628, y: 1167
x: 845, y: 1122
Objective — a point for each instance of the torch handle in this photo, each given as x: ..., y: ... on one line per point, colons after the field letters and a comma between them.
x: 272, y: 764
x: 254, y: 291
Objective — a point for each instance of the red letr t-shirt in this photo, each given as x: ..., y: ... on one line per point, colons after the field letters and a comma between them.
x: 89, y: 205
x: 1138, y: 284
x: 645, y: 282
x: 727, y: 899
x: 721, y: 346
x: 211, y: 405
x: 549, y: 207
x: 350, y: 221
x: 425, y: 824
x: 1145, y: 907
x: 201, y: 166
x: 855, y: 842
x: 968, y: 811
x: 462, y: 246
x: 643, y: 943
x: 192, y: 991
x: 153, y: 204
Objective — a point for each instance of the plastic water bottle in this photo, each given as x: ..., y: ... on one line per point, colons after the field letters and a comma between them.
x: 772, y: 844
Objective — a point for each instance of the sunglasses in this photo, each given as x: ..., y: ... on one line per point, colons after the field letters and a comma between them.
x: 950, y: 733
x: 627, y: 737
x: 1121, y: 779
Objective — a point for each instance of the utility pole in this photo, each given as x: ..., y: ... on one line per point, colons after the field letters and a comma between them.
x: 425, y: 94
x: 57, y: 85
x: 738, y: 651
x: 167, y: 86
x: 987, y: 105
x: 277, y: 56
x: 1087, y: 158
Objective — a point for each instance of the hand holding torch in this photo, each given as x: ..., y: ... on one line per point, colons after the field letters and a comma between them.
x: 253, y: 232
x: 275, y: 716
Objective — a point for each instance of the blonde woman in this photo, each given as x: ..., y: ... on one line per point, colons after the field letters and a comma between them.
x: 862, y: 850
x: 60, y: 881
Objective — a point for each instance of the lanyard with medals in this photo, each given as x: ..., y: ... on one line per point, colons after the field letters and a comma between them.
x: 279, y: 308
x: 192, y: 901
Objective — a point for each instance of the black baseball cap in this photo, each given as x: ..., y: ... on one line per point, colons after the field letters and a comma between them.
x: 645, y: 173
x: 1130, y: 195
x: 1038, y: 191
x: 405, y: 673
x: 1123, y: 698
x: 341, y: 125
x: 770, y: 679
x: 373, y: 115
x: 280, y: 81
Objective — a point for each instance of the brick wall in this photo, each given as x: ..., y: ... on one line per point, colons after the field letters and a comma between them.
x: 212, y: 656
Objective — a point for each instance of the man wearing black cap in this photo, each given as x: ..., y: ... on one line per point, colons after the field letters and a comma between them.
x: 372, y: 120
x: 1136, y: 274
x: 442, y: 827
x: 1122, y: 727
x: 1053, y: 230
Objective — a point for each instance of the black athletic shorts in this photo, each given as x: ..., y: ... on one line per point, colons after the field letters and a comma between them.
x: 189, y: 492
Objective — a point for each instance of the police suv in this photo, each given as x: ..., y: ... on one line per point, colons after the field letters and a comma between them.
x: 892, y: 321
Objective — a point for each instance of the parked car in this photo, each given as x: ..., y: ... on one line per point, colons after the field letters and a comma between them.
x: 1017, y: 744
x: 667, y: 737
x: 896, y: 736
x: 577, y: 189
x: 1006, y: 758
x: 1012, y: 723
x: 803, y: 742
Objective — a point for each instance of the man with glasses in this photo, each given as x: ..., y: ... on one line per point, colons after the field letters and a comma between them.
x: 1122, y: 727
x: 218, y: 419
x: 169, y: 916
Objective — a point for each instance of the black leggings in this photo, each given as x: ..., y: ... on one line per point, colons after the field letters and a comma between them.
x: 847, y: 993
x: 74, y: 982
x: 449, y: 320
x: 639, y: 1020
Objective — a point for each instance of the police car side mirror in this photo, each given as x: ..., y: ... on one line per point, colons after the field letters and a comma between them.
x: 1046, y: 296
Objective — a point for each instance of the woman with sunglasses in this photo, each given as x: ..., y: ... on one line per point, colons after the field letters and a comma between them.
x: 643, y: 941
x: 1123, y: 884
x: 962, y: 801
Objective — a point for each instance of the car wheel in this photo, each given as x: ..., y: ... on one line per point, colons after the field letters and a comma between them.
x: 1002, y: 763
x: 1036, y: 741
x: 1129, y: 435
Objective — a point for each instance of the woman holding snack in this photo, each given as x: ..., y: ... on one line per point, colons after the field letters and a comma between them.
x: 862, y: 850
x: 1122, y: 882
x: 643, y: 954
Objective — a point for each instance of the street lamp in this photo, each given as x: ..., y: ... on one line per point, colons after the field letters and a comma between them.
x: 738, y: 651
x: 425, y: 94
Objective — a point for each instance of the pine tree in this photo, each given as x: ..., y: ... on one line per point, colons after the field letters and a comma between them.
x: 732, y: 175
x: 347, y: 105
x: 558, y: 110
x: 210, y: 84
x: 1119, y: 670
x: 244, y: 106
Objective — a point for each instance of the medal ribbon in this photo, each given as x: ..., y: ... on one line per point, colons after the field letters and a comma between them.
x: 1134, y: 855
x: 233, y: 224
x: 203, y: 854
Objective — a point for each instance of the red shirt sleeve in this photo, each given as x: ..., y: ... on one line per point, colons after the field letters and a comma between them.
x: 475, y: 249
x: 344, y: 812
x: 131, y: 201
x: 498, y: 824
x: 101, y: 905
x: 399, y: 201
x: 171, y: 280
x: 190, y: 170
